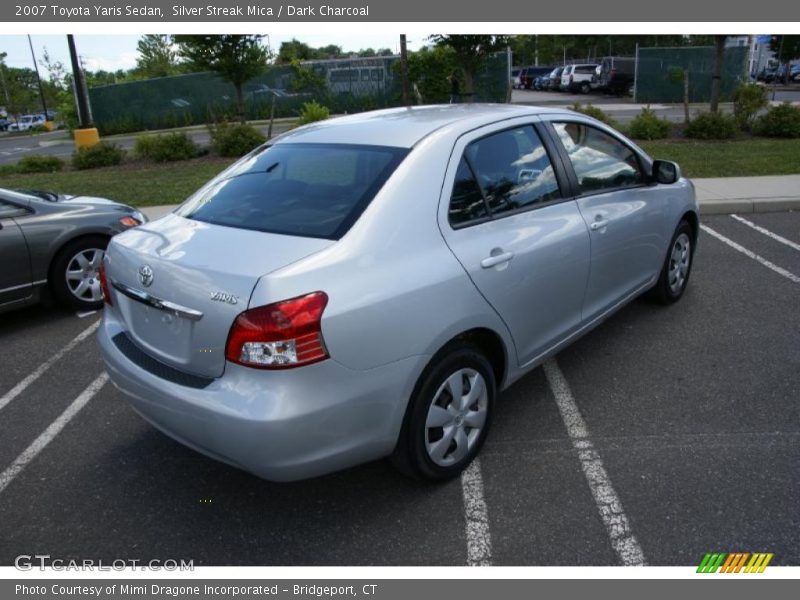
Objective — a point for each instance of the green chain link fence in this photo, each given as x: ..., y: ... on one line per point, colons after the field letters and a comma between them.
x: 659, y: 76
x: 344, y: 86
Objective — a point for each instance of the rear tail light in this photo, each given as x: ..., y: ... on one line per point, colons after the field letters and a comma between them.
x: 104, y: 285
x: 282, y: 335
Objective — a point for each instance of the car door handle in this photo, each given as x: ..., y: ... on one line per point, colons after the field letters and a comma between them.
x: 599, y: 224
x: 496, y: 259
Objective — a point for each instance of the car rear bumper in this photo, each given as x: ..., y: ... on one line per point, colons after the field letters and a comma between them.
x: 280, y: 425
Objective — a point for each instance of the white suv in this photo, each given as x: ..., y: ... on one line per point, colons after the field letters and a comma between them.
x: 577, y: 78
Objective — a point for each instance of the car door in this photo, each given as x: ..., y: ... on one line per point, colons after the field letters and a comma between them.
x: 625, y: 215
x: 523, y: 244
x: 15, y: 266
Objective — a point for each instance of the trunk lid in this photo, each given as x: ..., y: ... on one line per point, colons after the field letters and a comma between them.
x: 197, y: 266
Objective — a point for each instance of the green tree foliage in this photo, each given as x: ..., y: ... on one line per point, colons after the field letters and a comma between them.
x: 295, y: 50
x: 157, y: 57
x: 786, y: 49
x: 234, y: 58
x: 470, y: 50
x: 428, y: 70
x: 20, y: 94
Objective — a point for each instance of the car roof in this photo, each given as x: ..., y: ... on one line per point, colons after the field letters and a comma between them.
x: 406, y: 126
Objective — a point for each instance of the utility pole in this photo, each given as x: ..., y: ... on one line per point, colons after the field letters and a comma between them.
x: 404, y: 69
x: 86, y: 135
x: 39, y: 81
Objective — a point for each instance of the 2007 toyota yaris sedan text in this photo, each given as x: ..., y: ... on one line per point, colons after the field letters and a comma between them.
x: 364, y: 286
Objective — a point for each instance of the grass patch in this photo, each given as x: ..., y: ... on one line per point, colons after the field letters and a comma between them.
x: 134, y: 183
x: 141, y: 183
x: 736, y: 158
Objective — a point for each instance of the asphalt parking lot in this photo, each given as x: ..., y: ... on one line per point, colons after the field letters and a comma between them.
x: 664, y: 434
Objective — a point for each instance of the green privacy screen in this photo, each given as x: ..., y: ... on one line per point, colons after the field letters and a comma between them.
x: 660, y: 73
x: 343, y: 85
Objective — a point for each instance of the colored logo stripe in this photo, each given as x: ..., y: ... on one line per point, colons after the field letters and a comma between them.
x: 758, y: 563
x: 711, y: 563
x: 733, y: 562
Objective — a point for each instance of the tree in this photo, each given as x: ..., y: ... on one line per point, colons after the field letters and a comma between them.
x: 470, y: 50
x: 157, y: 56
x: 716, y: 76
x: 234, y: 58
x: 786, y: 49
x: 294, y: 50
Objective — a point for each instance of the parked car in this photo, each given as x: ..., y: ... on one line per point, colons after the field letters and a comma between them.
x: 577, y: 78
x: 617, y: 74
x: 554, y: 79
x: 772, y: 74
x: 595, y: 83
x: 4, y: 124
x: 299, y: 314
x: 541, y: 82
x: 529, y: 74
x: 26, y: 122
x: 54, y: 242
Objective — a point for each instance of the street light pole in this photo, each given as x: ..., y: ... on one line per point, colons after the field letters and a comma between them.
x: 404, y: 69
x: 86, y: 135
x: 38, y: 80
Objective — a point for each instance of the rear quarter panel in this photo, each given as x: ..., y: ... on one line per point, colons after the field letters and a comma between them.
x: 395, y: 290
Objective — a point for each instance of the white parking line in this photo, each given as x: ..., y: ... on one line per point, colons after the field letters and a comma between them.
x: 767, y: 232
x: 608, y: 503
x: 40, y: 443
x: 479, y: 540
x: 40, y: 370
x: 751, y: 254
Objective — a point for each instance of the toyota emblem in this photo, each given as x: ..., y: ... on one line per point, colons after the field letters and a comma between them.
x: 146, y: 275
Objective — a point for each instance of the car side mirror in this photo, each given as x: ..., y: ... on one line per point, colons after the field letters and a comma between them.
x: 665, y: 171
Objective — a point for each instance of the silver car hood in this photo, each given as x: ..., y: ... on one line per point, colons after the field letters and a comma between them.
x: 195, y: 268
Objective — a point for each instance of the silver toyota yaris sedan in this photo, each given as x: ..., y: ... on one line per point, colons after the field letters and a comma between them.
x: 364, y: 287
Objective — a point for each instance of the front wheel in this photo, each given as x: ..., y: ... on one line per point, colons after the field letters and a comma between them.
x: 75, y: 273
x: 677, y: 267
x: 448, y: 416
x: 585, y: 88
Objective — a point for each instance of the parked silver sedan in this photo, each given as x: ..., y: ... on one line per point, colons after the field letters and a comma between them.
x: 54, y: 243
x: 364, y: 287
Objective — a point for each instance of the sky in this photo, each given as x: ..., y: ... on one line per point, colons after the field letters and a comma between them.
x: 112, y: 52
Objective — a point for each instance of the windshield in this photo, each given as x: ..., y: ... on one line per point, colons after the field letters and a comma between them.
x: 310, y: 190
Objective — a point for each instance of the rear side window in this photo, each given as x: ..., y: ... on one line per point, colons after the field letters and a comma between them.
x: 466, y: 201
x: 601, y: 162
x: 509, y: 170
x: 310, y: 190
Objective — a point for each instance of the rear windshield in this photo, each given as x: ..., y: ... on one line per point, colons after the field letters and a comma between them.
x: 309, y: 190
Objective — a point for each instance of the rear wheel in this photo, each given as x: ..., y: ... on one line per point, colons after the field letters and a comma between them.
x: 448, y: 416
x: 585, y: 87
x: 74, y: 275
x: 677, y: 267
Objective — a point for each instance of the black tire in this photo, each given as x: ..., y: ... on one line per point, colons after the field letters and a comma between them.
x: 585, y: 88
x: 58, y: 272
x: 665, y: 292
x: 411, y: 456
